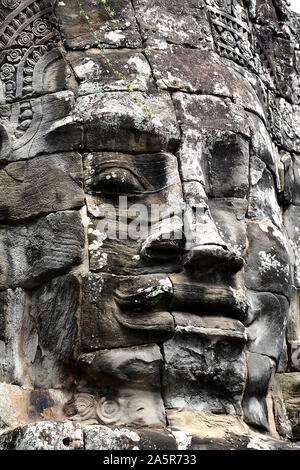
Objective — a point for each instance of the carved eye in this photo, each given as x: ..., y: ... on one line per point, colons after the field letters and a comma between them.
x: 115, y: 180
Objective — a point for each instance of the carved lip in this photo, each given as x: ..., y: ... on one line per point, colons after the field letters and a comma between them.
x: 178, y: 293
x: 209, y: 326
x: 208, y: 299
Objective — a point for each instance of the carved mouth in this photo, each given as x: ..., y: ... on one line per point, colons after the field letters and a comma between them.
x: 178, y: 293
x: 209, y: 299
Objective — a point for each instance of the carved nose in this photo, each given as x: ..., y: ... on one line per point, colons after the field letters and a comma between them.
x: 204, y: 245
x: 205, y: 257
x: 166, y: 243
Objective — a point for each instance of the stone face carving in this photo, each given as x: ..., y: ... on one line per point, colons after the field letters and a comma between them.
x: 149, y: 263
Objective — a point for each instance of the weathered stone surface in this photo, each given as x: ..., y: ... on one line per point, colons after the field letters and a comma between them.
x: 105, y: 438
x: 57, y: 177
x: 136, y: 257
x: 268, y: 266
x: 124, y: 201
x: 7, y: 411
x: 283, y: 363
x: 254, y: 400
x: 204, y: 297
x: 200, y: 228
x: 209, y: 75
x: 32, y: 253
x: 263, y: 201
x: 20, y: 406
x: 295, y: 355
x: 38, y: 333
x: 144, y: 360
x: 73, y: 436
x: 226, y: 19
x: 134, y: 398
x: 38, y: 28
x: 229, y: 215
x: 49, y: 349
x: 44, y: 436
x: 285, y: 121
x: 204, y: 425
x: 94, y: 74
x: 12, y: 312
x: 254, y: 442
x: 114, y: 121
x: 261, y: 143
x: 124, y: 312
x: 190, y: 156
x: 198, y: 430
x: 226, y: 157
x: 210, y: 112
x: 39, y: 126
x: 292, y: 221
x: 77, y: 33
x: 267, y: 315
x: 291, y: 178
x: 65, y: 436
x: 109, y: 174
x: 286, y: 401
x: 293, y: 324
x: 178, y: 24
x: 204, y: 369
x: 207, y: 129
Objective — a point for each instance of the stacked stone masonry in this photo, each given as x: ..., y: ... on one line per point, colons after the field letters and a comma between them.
x: 150, y: 342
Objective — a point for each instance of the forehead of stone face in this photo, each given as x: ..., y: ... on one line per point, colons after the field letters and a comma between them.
x: 203, y: 71
x: 115, y: 121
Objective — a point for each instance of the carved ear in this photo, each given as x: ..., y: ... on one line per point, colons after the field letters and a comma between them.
x: 5, y: 144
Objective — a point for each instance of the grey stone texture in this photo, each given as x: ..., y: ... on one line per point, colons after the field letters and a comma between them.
x: 149, y: 224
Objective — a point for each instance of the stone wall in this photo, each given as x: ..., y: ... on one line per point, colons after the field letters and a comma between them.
x: 196, y: 339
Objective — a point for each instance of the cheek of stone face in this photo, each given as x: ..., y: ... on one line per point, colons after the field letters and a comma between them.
x: 119, y: 311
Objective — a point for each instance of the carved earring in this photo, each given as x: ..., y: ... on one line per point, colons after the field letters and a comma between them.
x: 108, y: 411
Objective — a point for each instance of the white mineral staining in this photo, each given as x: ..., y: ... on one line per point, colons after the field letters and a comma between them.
x: 269, y: 262
x: 255, y: 442
x: 240, y: 298
x: 164, y: 286
x: 142, y: 67
x: 114, y: 36
x: 183, y: 439
x: 88, y: 68
x: 264, y: 228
